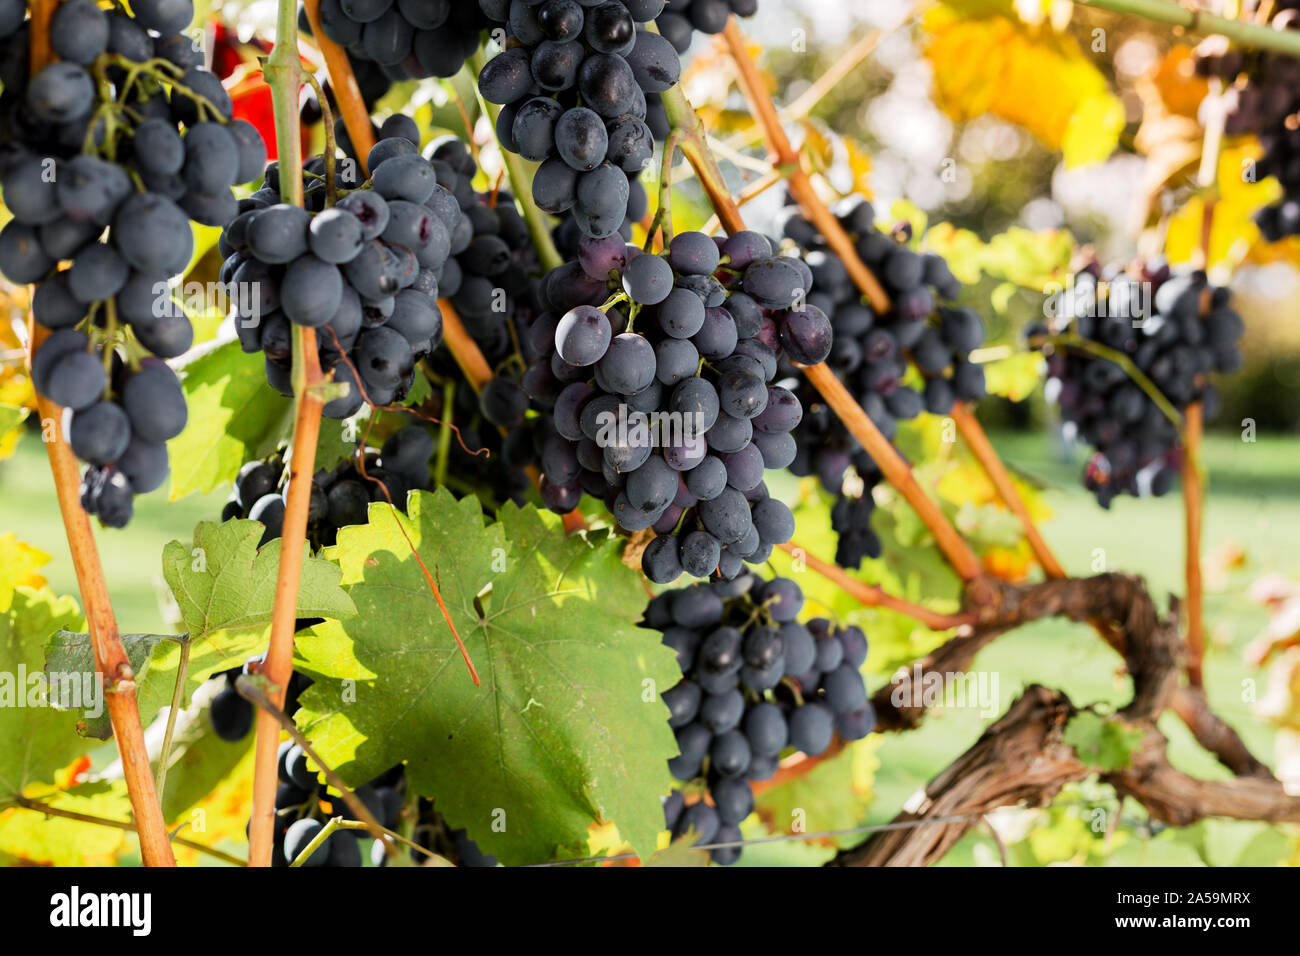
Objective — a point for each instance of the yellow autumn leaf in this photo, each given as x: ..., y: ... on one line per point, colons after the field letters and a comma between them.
x: 1015, y: 377
x: 967, y: 484
x: 859, y: 161
x: 996, y: 65
x: 18, y: 564
x: 1233, y: 231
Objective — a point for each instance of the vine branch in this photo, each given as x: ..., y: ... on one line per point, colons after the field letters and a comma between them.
x: 283, y: 70
x: 1195, y: 20
x: 44, y: 808
x: 871, y: 596
x: 895, y: 470
x: 356, y: 118
x: 111, y: 661
x: 978, y: 442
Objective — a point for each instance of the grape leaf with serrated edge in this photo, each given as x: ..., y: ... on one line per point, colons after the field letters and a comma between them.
x: 553, y: 740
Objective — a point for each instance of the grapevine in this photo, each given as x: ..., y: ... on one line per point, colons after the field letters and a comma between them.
x: 560, y: 526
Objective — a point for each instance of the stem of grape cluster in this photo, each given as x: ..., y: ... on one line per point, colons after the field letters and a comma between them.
x: 978, y: 442
x: 111, y: 662
x: 539, y: 227
x: 283, y: 70
x: 1195, y: 20
x: 693, y: 143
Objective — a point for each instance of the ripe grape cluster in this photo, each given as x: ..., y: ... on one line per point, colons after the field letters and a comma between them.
x: 681, y: 18
x: 756, y: 684
x: 662, y: 395
x: 341, y: 495
x: 1176, y: 337
x: 364, y: 271
x: 107, y: 155
x: 573, y: 87
x: 1267, y: 90
x: 913, y: 358
x: 389, y: 41
x: 493, y: 283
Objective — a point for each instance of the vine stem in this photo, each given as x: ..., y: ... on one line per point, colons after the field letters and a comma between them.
x: 870, y: 595
x: 973, y: 434
x: 664, y: 214
x: 891, y: 464
x: 178, y: 693
x: 694, y: 144
x: 1073, y: 341
x: 283, y: 71
x: 520, y: 183
x: 802, y: 188
x: 1194, y: 424
x: 463, y: 348
x: 255, y: 690
x: 356, y: 118
x: 895, y: 470
x: 1192, y: 501
x: 750, y: 192
x: 1194, y: 20
x: 111, y: 662
x: 37, y: 806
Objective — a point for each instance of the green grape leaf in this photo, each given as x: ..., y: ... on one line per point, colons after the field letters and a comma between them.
x: 223, y: 582
x: 1102, y: 744
x: 234, y: 417
x: 567, y: 728
x: 681, y: 853
x: 69, y: 656
x: 38, y: 740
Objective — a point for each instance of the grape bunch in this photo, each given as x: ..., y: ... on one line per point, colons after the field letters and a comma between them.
x: 341, y: 495
x: 104, y: 162
x: 1266, y: 85
x: 1176, y: 329
x: 667, y: 409
x: 388, y: 42
x: 363, y: 271
x: 573, y: 87
x: 913, y: 358
x: 681, y: 18
x: 755, y: 684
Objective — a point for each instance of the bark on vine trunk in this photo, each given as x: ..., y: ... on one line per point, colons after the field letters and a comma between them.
x: 1023, y: 759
